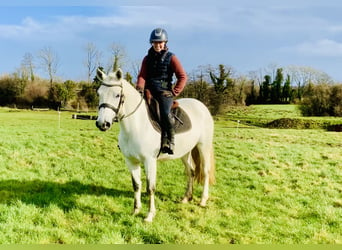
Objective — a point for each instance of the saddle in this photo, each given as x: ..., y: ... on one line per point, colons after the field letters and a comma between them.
x: 181, y: 119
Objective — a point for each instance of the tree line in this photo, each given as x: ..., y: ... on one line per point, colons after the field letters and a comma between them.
x: 216, y: 86
x: 25, y: 88
x: 313, y: 90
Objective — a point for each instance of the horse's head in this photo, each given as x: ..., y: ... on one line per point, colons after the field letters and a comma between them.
x: 111, y: 98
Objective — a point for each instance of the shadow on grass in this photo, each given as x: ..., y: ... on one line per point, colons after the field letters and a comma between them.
x: 44, y: 193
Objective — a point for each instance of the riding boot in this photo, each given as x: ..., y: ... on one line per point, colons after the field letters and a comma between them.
x: 168, y: 137
x: 164, y: 143
x: 171, y: 137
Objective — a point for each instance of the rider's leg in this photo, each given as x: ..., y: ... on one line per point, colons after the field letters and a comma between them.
x: 165, y: 103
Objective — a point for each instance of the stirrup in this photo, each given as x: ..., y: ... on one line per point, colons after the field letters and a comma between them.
x: 164, y: 145
x: 167, y: 148
x: 171, y: 148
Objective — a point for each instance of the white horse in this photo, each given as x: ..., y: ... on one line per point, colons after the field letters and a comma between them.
x: 140, y: 142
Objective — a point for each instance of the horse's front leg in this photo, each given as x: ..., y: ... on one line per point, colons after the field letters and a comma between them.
x: 136, y: 182
x: 151, y: 175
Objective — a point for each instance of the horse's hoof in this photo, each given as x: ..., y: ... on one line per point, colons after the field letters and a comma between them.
x: 136, y: 211
x: 149, y: 217
x: 203, y: 203
x: 185, y: 200
x: 148, y: 220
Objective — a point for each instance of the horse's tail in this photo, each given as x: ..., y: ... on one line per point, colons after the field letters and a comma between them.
x: 199, y: 166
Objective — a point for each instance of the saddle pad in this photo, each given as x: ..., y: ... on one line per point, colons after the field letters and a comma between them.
x: 182, y: 121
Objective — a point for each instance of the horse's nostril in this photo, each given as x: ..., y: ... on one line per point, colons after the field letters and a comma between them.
x: 107, y: 125
x: 103, y: 126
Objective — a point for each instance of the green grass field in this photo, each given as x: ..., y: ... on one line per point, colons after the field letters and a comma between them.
x: 63, y: 181
x: 262, y: 115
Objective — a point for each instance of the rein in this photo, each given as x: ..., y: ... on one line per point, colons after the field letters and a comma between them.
x: 116, y: 110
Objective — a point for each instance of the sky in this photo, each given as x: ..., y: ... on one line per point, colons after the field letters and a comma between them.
x: 245, y: 35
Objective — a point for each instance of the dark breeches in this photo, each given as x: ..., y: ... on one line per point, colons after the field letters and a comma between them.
x: 165, y: 100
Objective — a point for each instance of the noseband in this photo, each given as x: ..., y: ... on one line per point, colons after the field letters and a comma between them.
x: 117, y: 109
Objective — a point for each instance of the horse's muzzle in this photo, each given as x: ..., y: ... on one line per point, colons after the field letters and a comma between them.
x: 103, y: 126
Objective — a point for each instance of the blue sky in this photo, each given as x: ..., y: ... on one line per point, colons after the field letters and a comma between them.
x: 246, y: 35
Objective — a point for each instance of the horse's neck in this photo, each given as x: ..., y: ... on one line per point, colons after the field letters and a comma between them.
x: 137, y: 121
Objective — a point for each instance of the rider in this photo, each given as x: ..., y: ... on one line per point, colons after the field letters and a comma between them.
x: 156, y: 73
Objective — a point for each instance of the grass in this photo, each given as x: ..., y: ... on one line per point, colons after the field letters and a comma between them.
x: 279, y: 116
x: 66, y: 182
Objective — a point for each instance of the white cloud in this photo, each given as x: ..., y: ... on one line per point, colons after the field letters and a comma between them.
x: 123, y: 16
x: 324, y: 47
x: 335, y: 28
x: 27, y: 27
x: 172, y: 16
x: 57, y: 28
x: 239, y: 18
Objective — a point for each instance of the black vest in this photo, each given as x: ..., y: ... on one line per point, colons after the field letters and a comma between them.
x: 159, y: 72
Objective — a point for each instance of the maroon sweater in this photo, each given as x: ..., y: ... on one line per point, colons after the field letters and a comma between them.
x: 177, y: 69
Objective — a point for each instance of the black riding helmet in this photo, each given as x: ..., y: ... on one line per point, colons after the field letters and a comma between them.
x: 158, y: 35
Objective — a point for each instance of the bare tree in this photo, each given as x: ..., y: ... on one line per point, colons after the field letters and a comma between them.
x: 49, y: 61
x: 92, y: 60
x: 256, y: 76
x: 271, y: 70
x: 304, y: 75
x: 27, y: 67
x: 135, y: 69
x: 198, y: 84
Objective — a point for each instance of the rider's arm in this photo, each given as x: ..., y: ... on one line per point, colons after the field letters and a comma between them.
x: 142, y: 75
x: 180, y: 75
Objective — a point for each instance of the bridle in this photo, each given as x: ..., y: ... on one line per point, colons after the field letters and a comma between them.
x: 118, y: 117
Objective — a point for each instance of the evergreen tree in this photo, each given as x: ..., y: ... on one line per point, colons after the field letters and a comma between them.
x: 276, y: 87
x: 221, y: 83
x: 129, y: 78
x: 264, y: 96
x: 286, y: 94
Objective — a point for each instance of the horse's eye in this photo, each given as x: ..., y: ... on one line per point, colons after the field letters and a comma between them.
x: 117, y: 96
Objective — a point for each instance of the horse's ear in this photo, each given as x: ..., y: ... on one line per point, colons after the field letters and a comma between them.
x: 119, y: 74
x: 100, y: 74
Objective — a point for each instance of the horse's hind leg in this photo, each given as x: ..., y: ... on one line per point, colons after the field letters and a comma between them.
x: 189, y: 168
x: 205, y: 157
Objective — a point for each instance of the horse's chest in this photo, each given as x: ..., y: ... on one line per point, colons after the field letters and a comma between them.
x: 127, y: 145
x: 136, y: 146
